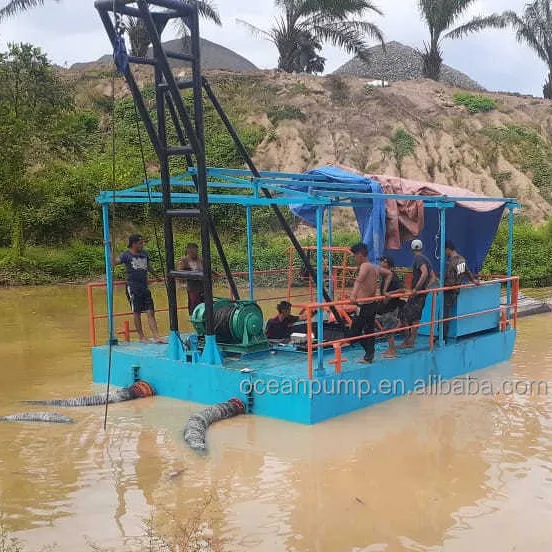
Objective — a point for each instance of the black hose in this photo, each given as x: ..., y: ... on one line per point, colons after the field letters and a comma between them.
x: 195, y: 430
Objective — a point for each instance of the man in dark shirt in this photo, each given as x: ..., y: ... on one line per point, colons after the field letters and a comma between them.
x: 456, y: 273
x: 136, y: 261
x: 281, y: 326
x: 422, y: 277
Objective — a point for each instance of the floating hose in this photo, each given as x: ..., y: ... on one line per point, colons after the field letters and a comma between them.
x: 38, y: 417
x: 195, y: 430
x: 137, y: 390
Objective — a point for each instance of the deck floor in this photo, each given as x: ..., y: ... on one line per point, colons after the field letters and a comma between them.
x: 280, y: 361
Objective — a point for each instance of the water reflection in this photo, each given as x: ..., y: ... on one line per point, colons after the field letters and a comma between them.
x: 421, y: 473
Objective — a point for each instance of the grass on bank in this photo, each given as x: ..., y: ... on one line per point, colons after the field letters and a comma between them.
x: 78, y: 261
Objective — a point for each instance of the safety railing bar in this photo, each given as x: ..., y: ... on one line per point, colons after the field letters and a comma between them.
x: 403, y: 328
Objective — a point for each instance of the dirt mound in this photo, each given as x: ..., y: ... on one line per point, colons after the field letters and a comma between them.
x: 213, y: 56
x: 399, y: 62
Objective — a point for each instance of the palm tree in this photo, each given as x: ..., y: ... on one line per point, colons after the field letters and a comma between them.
x: 439, y: 15
x: 533, y: 28
x: 304, y: 25
x: 139, y: 37
x: 13, y: 7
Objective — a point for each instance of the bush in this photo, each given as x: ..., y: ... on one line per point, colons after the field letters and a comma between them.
x: 283, y: 112
x: 532, y: 259
x: 475, y: 103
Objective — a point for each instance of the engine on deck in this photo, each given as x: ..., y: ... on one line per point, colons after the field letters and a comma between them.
x: 238, y: 325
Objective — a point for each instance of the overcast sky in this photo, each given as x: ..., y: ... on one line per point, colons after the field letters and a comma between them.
x: 71, y: 31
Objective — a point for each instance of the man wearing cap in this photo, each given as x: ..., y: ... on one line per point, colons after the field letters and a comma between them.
x: 136, y: 261
x: 456, y: 273
x: 281, y: 326
x: 422, y: 277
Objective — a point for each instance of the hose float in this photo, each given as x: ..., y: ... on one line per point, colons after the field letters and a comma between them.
x: 195, y: 430
x: 47, y: 417
x: 135, y: 391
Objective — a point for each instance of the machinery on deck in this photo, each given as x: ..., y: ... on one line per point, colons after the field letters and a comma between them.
x: 238, y: 325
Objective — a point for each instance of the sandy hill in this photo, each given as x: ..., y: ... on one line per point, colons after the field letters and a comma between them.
x: 412, y: 128
x: 399, y: 62
x: 213, y: 56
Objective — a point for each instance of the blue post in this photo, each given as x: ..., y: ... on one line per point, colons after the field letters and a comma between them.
x: 510, y: 253
x: 320, y: 282
x: 249, y: 220
x: 330, y: 259
x: 442, y: 269
x: 108, y: 273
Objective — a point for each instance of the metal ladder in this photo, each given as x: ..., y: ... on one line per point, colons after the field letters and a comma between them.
x: 190, y: 132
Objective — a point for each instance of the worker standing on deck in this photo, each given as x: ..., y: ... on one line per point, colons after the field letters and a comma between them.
x: 366, y: 286
x: 422, y: 277
x: 137, y: 263
x: 193, y: 262
x: 388, y: 312
x: 457, y: 272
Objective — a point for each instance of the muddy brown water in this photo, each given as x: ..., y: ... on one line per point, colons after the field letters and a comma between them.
x: 423, y: 473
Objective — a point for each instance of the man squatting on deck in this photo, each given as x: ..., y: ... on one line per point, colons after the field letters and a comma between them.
x: 281, y: 326
x: 366, y: 286
x: 137, y: 263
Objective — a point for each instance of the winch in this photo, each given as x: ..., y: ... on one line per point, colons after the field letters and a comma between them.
x: 238, y: 325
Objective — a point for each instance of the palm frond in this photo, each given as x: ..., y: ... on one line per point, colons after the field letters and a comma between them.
x: 348, y: 35
x: 255, y: 31
x: 494, y: 21
x: 16, y: 6
x: 336, y: 9
x: 205, y: 8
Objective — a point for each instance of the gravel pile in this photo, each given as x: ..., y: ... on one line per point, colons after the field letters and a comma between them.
x: 213, y: 56
x: 400, y: 62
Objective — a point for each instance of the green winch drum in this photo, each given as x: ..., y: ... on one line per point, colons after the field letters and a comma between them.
x: 236, y: 323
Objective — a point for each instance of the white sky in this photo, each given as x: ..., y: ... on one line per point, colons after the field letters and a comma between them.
x: 70, y: 31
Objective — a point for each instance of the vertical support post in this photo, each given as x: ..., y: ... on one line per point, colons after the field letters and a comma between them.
x: 309, y: 342
x: 432, y: 327
x: 320, y: 284
x: 442, y: 268
x: 108, y: 274
x: 175, y: 349
x: 249, y: 221
x: 91, y: 315
x: 330, y: 255
x: 290, y: 273
x: 510, y: 257
x: 211, y: 352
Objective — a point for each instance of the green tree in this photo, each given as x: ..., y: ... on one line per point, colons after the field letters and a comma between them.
x: 304, y: 25
x: 439, y: 16
x: 32, y: 103
x: 533, y: 27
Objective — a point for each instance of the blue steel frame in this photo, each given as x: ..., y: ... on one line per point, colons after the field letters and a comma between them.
x: 241, y: 187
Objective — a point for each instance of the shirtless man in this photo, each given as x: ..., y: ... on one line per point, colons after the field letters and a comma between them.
x: 366, y: 286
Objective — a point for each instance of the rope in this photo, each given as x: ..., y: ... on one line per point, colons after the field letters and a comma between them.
x: 111, y: 222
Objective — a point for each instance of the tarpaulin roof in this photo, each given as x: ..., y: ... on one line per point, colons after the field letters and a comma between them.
x: 388, y: 225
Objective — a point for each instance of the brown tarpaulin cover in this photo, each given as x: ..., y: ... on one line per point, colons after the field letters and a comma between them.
x: 405, y: 217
